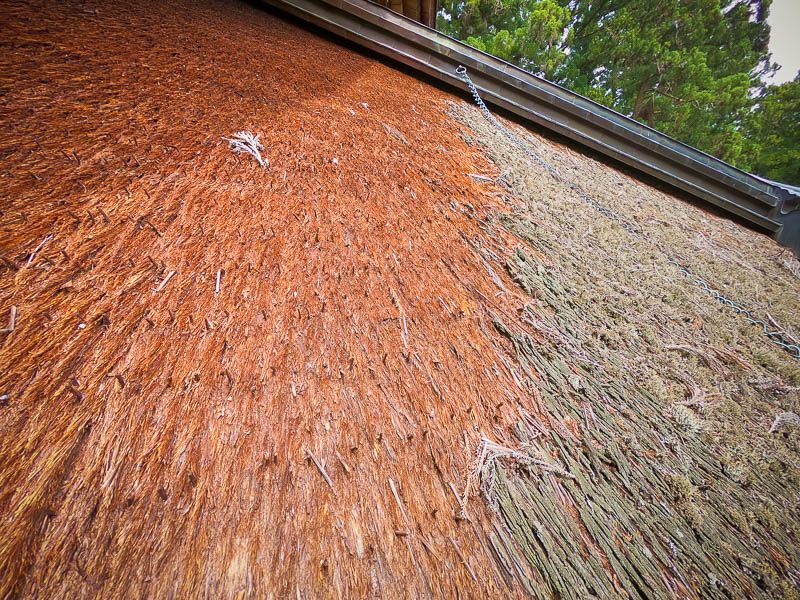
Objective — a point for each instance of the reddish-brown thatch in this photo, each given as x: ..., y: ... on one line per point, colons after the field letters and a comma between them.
x: 308, y: 428
x: 225, y: 380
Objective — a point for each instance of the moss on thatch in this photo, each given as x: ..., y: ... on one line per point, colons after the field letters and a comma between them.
x: 654, y: 397
x: 392, y: 363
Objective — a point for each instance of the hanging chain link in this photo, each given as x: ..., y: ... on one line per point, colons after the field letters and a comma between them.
x: 777, y: 337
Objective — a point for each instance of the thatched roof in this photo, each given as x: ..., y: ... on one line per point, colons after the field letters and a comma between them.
x: 384, y: 365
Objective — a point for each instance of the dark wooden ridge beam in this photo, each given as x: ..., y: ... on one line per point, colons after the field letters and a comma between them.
x: 535, y: 100
x: 423, y: 11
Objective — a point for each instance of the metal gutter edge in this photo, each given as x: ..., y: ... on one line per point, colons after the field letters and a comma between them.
x: 536, y: 100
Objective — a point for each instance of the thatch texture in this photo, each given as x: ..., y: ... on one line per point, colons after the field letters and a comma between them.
x: 658, y: 399
x: 319, y: 378
x: 160, y: 442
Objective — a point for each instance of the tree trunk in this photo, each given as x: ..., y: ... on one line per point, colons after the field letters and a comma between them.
x: 637, y: 106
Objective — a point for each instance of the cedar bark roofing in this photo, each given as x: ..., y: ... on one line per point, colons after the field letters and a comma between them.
x: 158, y: 443
x: 536, y: 101
x: 308, y: 431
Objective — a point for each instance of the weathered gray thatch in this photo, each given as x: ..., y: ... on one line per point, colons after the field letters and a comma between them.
x: 398, y: 360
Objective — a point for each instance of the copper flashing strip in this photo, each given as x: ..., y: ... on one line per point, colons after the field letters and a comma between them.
x: 538, y: 101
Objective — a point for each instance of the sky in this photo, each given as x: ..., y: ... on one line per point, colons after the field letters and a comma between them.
x: 784, y: 19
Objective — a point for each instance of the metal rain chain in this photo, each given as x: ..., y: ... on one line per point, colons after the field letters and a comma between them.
x: 777, y: 337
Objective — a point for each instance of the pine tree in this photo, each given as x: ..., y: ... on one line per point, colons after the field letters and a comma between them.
x: 693, y: 69
x: 689, y: 68
x: 773, y: 133
x: 528, y: 33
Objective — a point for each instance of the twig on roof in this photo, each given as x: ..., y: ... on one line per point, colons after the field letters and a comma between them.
x: 12, y: 321
x: 787, y: 418
x: 480, y: 177
x: 147, y: 222
x: 244, y: 141
x: 320, y: 468
x: 32, y: 255
x: 461, y: 556
x: 397, y: 499
x: 428, y: 546
x: 344, y: 464
x: 76, y: 392
x: 164, y: 282
x: 392, y: 131
x: 484, y: 471
x: 779, y: 326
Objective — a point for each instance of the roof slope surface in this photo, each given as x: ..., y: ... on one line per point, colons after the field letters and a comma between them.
x: 228, y: 381
x: 159, y: 441
x: 534, y: 100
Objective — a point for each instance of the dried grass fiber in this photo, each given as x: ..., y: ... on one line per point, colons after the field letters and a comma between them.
x: 225, y: 380
x: 160, y: 439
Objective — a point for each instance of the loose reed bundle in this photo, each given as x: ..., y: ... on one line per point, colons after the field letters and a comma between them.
x: 244, y: 141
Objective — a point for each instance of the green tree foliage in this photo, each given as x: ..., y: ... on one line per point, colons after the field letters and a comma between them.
x: 773, y: 131
x: 528, y: 33
x: 685, y: 67
x: 693, y: 69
